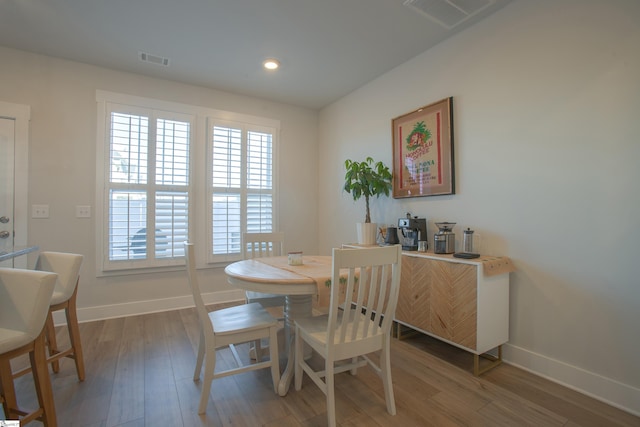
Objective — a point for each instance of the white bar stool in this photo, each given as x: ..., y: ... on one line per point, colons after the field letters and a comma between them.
x: 67, y: 266
x: 24, y: 303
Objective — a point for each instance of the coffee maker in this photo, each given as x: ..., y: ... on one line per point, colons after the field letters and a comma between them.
x: 414, y: 233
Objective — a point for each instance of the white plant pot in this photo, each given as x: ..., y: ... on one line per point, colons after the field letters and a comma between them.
x: 367, y: 232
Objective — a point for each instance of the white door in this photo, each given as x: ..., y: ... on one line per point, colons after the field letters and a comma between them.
x: 14, y: 130
x: 7, y: 215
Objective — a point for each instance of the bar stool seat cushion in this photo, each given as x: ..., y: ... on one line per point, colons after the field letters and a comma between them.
x: 59, y: 296
x: 20, y: 324
x: 67, y: 266
x: 11, y: 339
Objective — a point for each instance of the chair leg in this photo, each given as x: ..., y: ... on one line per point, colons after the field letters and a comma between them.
x: 200, y: 357
x: 209, y: 369
x: 52, y: 343
x: 354, y: 370
x: 385, y: 366
x: 74, y: 336
x: 42, y: 382
x: 273, y: 355
x: 330, y: 391
x: 257, y: 347
x: 7, y: 390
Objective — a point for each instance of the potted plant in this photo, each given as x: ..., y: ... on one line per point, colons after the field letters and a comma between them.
x: 367, y: 179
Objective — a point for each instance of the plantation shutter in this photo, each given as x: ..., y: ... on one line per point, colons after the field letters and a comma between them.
x: 157, y: 160
x: 148, y: 188
x: 227, y: 183
x: 242, y: 186
x: 172, y: 195
x: 259, y: 183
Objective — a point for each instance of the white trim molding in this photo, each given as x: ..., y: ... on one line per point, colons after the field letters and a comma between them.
x: 607, y: 390
x: 112, y: 311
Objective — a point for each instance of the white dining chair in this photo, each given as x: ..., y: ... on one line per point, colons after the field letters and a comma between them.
x: 358, y: 323
x: 24, y: 304
x: 259, y: 245
x: 225, y: 328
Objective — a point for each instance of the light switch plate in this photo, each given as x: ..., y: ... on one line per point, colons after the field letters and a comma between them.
x: 83, y: 211
x: 39, y: 211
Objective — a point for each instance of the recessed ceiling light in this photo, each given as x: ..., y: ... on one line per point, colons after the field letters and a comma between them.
x: 271, y: 64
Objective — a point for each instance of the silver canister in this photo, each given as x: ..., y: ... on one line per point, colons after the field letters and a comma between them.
x: 444, y: 243
x: 467, y: 240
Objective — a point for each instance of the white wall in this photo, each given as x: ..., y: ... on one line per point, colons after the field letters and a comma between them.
x: 546, y: 104
x: 62, y: 97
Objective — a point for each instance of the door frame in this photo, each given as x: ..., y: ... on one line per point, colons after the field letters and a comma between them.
x: 21, y: 114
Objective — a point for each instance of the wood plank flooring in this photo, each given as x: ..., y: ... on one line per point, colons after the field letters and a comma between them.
x: 140, y: 369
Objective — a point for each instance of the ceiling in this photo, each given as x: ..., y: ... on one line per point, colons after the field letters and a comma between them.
x: 327, y: 48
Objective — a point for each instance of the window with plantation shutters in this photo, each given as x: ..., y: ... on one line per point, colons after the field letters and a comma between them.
x: 147, y: 187
x: 242, y: 185
x: 167, y: 173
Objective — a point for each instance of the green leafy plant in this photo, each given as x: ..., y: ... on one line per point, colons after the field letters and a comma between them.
x: 367, y: 179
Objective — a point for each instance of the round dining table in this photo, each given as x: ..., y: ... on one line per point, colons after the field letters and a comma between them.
x: 299, y: 283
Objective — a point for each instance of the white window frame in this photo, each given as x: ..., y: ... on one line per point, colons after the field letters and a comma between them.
x: 200, y: 183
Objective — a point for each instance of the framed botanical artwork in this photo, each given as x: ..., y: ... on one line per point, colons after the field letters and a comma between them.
x: 423, y: 151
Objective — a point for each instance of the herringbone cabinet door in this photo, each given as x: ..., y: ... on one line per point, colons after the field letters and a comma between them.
x: 439, y: 297
x: 413, y: 302
x: 454, y: 302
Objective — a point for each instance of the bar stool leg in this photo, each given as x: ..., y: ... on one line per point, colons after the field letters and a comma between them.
x: 42, y: 382
x: 7, y: 390
x: 52, y: 342
x: 74, y: 335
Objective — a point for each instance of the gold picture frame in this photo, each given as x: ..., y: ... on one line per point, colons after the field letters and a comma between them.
x: 423, y: 151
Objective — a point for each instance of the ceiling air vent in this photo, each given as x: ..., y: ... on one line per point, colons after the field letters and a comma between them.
x: 153, y: 59
x: 449, y: 13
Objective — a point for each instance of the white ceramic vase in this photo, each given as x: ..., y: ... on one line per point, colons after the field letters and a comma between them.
x: 367, y: 232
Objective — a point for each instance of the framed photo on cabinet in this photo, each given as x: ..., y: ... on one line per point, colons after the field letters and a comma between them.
x: 423, y: 151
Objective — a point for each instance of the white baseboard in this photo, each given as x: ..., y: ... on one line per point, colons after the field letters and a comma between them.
x: 607, y: 390
x: 102, y: 312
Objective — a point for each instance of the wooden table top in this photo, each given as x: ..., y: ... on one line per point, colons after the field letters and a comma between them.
x: 274, y: 275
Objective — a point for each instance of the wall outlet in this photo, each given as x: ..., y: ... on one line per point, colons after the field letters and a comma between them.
x: 39, y: 211
x: 83, y: 211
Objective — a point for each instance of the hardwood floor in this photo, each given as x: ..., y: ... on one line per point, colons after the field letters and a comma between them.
x: 140, y: 368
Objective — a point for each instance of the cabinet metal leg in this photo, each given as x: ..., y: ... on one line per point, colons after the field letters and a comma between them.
x: 494, y: 361
x: 400, y: 334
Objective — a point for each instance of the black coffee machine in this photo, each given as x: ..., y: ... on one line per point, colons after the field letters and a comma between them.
x: 414, y: 233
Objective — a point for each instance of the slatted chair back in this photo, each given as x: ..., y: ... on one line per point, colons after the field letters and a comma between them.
x: 370, y: 290
x: 258, y: 245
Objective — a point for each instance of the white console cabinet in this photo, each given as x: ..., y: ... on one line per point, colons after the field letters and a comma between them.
x: 452, y: 299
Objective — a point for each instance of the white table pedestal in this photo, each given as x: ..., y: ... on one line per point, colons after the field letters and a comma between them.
x: 297, y: 306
